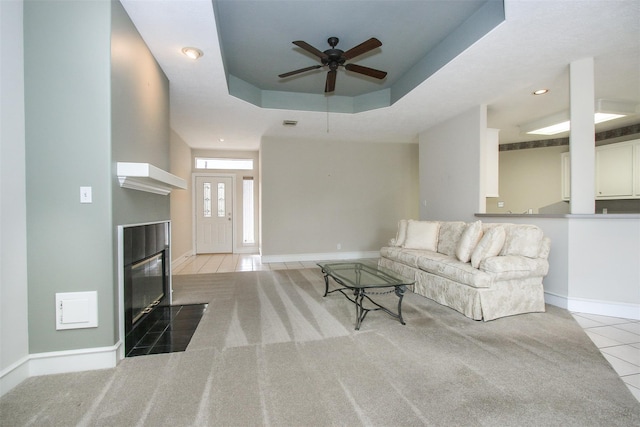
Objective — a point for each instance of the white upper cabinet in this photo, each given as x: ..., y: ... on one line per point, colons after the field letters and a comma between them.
x: 614, y: 170
x: 617, y: 171
x: 565, y: 181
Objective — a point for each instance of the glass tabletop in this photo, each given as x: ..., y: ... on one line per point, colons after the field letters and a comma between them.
x: 359, y: 275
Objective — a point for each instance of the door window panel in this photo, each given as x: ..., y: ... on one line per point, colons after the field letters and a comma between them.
x: 206, y: 205
x: 221, y: 200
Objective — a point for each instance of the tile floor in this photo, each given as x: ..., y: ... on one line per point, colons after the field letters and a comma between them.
x: 618, y: 339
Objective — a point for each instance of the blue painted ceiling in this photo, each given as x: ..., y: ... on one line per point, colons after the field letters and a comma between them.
x: 418, y: 38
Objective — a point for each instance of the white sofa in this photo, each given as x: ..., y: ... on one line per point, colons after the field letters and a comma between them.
x: 484, y: 271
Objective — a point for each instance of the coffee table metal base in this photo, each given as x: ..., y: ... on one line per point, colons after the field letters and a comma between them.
x: 360, y: 294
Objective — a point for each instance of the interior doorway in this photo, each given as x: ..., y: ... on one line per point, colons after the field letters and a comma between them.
x: 214, y: 214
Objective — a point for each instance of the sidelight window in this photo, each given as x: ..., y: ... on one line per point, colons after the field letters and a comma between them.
x: 247, y: 210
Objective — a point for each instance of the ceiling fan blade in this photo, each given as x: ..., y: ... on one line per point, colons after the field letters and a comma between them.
x: 306, y: 46
x: 330, y: 85
x: 301, y: 70
x: 371, y: 72
x: 363, y: 47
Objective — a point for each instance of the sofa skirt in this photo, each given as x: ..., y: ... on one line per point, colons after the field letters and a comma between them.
x: 505, y: 298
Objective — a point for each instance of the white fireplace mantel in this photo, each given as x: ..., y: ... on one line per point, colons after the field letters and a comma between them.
x: 146, y: 177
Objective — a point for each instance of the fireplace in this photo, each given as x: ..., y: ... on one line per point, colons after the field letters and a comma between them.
x: 145, y: 275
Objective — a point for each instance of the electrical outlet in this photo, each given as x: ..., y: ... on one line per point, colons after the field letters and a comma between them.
x: 339, y: 246
x: 501, y: 204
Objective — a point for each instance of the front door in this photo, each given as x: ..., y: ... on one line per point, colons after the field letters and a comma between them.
x: 214, y: 219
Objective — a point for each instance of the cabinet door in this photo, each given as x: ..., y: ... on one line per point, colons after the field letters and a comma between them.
x: 614, y: 171
x: 565, y: 180
x: 636, y: 168
x: 492, y: 153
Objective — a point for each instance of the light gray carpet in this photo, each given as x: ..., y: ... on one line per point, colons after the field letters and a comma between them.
x: 271, y: 351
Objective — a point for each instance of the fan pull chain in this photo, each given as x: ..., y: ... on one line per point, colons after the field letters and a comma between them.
x: 327, y: 114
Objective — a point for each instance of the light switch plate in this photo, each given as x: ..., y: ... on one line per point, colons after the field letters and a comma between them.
x: 85, y: 195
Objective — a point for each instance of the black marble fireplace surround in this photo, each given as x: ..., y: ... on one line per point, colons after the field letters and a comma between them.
x: 146, y: 275
x: 151, y: 324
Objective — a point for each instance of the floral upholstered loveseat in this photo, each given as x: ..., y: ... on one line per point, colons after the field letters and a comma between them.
x: 484, y: 271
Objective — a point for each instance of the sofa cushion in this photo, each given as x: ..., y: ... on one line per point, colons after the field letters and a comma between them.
x: 406, y: 256
x: 468, y: 241
x: 490, y: 245
x: 422, y: 235
x: 453, y: 269
x: 449, y: 236
x: 522, y: 239
x: 506, y: 267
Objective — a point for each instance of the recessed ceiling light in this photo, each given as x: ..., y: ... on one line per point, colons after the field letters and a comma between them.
x: 540, y: 91
x: 192, y: 52
x: 220, y: 139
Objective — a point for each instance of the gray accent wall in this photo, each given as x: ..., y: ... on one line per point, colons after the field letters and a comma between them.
x: 140, y: 119
x: 140, y: 129
x: 316, y: 194
x: 68, y: 132
x: 94, y: 96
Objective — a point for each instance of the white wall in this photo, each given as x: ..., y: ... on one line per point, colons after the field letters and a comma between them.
x: 450, y: 180
x: 318, y: 194
x: 14, y: 335
x: 181, y: 215
x: 604, y: 264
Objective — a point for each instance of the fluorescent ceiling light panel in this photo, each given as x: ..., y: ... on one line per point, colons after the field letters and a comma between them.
x: 558, y: 123
x: 605, y: 117
x: 553, y: 129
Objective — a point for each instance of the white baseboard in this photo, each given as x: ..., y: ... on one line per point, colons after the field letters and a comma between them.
x: 603, y: 308
x: 178, y: 261
x: 58, y: 362
x: 13, y: 375
x: 556, y: 300
x: 85, y: 359
x: 327, y: 256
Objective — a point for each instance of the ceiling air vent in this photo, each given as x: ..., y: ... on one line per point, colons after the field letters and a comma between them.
x: 289, y: 123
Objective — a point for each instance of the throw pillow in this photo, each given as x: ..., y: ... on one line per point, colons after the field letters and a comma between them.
x: 450, y: 233
x: 422, y: 235
x: 402, y: 232
x: 490, y: 245
x: 523, y: 240
x: 468, y: 241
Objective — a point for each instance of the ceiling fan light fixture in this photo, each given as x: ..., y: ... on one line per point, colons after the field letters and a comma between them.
x: 192, y: 52
x: 334, y: 58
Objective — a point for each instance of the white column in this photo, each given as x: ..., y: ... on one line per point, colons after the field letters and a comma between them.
x: 582, y: 138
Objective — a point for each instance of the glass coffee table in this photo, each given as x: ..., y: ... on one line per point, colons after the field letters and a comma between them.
x: 359, y: 281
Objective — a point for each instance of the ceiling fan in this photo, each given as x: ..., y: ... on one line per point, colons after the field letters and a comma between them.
x: 334, y: 58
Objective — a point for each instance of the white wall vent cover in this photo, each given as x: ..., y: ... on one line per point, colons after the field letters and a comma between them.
x: 146, y: 177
